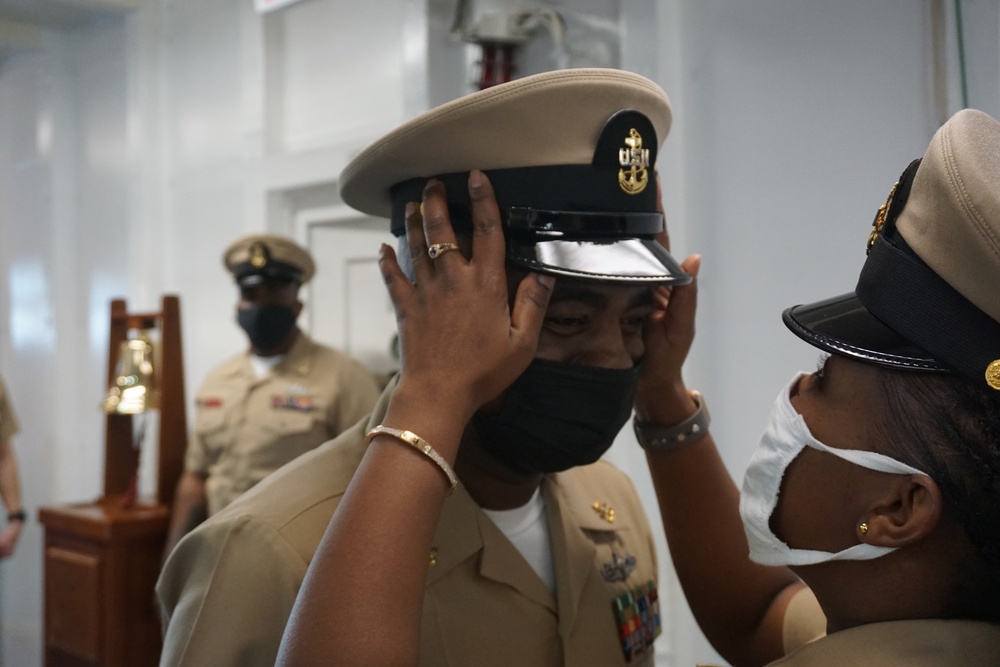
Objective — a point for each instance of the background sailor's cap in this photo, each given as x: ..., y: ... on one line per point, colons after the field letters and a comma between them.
x: 571, y: 155
x: 928, y: 296
x: 257, y: 257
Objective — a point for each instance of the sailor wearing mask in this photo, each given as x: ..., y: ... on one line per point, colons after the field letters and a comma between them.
x: 279, y: 399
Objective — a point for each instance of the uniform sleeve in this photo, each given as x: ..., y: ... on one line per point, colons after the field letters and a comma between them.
x: 359, y: 393
x: 8, y: 423
x: 226, y: 593
x: 196, y: 455
x: 804, y: 621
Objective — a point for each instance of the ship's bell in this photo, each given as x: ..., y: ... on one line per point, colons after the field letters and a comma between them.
x: 131, y: 392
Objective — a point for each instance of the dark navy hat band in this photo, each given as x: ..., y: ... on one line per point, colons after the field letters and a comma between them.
x: 907, y: 295
x: 558, y: 190
x: 273, y: 269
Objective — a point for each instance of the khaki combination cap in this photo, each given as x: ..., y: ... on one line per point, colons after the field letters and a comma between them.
x: 258, y: 257
x: 927, y: 299
x: 571, y: 155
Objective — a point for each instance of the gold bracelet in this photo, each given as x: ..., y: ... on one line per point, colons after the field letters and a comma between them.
x: 421, y: 445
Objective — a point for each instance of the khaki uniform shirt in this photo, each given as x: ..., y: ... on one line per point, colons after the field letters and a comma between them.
x: 228, y: 588
x: 804, y: 621
x: 914, y: 643
x: 8, y: 423
x: 247, y: 427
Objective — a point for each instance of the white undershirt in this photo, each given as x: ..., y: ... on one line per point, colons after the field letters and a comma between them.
x: 528, y: 529
x: 263, y: 365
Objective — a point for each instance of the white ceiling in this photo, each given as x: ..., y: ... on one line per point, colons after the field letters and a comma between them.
x: 22, y: 21
x: 60, y: 14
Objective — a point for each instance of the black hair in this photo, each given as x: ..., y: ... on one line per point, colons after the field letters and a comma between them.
x: 949, y: 427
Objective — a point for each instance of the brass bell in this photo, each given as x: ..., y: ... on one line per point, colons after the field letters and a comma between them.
x: 132, y: 391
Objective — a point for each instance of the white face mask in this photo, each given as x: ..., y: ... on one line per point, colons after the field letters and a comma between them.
x: 784, y: 438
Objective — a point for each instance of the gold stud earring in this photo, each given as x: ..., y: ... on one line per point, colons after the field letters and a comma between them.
x: 863, y: 528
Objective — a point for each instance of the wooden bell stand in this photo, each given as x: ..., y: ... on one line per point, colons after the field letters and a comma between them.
x: 102, y: 558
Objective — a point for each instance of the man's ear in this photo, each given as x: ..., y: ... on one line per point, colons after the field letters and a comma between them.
x: 908, y: 510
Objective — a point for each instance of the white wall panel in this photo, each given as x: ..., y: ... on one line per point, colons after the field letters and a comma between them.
x: 95, y: 230
x: 795, y: 120
x: 28, y: 339
x: 980, y: 24
x: 212, y: 142
x: 202, y: 67
x: 341, y: 71
x: 65, y: 246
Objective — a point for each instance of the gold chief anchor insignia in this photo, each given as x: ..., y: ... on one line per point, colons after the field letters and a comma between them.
x: 879, y: 222
x: 258, y: 255
x: 634, y: 174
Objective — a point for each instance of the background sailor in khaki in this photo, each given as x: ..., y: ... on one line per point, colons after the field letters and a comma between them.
x: 281, y: 398
x: 10, y: 485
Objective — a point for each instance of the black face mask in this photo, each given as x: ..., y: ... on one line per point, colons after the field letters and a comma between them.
x: 266, y: 326
x: 556, y: 416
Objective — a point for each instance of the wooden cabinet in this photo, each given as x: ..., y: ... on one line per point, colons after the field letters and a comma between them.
x: 101, y: 564
x: 102, y: 558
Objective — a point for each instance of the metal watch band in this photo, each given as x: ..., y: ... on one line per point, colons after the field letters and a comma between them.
x: 664, y: 438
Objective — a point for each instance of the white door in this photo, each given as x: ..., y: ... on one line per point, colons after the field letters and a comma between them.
x: 347, y: 305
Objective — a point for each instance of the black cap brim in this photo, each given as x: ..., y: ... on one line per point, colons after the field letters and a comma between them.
x: 842, y: 325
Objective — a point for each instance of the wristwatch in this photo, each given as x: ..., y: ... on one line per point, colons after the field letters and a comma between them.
x: 18, y: 515
x: 664, y: 438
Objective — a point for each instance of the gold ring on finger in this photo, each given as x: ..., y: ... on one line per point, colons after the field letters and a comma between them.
x: 435, y: 250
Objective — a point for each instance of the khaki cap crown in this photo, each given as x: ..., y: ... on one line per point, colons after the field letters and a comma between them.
x: 952, y: 217
x: 553, y: 118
